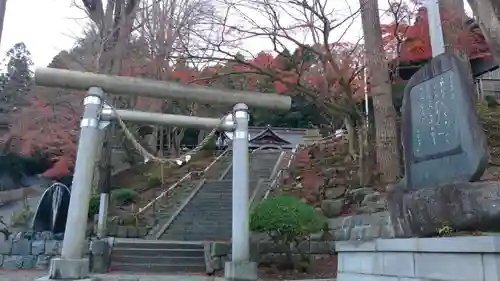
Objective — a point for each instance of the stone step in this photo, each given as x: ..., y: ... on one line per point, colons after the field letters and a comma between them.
x: 158, y: 268
x: 119, y: 252
x: 201, y: 217
x: 192, y: 219
x: 140, y: 244
x: 197, y: 222
x: 210, y: 207
x: 203, y: 236
x: 163, y: 259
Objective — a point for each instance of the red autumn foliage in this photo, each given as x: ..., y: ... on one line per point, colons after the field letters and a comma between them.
x: 59, y: 169
x: 417, y: 46
x: 51, y: 129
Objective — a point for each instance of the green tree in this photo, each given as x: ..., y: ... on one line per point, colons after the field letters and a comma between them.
x: 17, y: 79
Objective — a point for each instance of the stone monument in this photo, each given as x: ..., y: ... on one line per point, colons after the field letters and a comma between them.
x: 445, y: 152
x: 442, y: 138
x: 52, y: 210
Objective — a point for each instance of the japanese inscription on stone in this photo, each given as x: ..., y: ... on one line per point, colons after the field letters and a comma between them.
x: 442, y: 138
x: 436, y: 128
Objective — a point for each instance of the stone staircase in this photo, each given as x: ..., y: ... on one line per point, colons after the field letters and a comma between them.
x: 135, y: 255
x: 204, y: 217
x: 207, y: 216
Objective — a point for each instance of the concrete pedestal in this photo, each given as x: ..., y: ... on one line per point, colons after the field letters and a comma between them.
x: 68, y: 269
x: 47, y: 278
x: 240, y: 271
x: 420, y: 259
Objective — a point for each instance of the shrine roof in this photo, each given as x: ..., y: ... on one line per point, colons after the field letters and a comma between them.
x: 286, y: 136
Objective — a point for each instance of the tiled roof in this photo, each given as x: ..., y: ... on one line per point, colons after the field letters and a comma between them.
x: 292, y: 135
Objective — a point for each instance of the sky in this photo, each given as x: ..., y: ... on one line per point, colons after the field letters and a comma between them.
x: 50, y: 26
x: 45, y: 26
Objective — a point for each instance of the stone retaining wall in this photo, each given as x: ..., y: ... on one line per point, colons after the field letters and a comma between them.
x: 467, y: 258
x: 263, y: 252
x: 36, y: 254
x: 364, y: 227
x: 9, y: 196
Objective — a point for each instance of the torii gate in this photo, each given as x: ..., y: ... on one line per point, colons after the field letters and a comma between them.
x: 72, y: 265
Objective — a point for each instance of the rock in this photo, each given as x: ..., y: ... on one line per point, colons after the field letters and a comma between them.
x: 442, y: 137
x: 335, y: 223
x: 319, y: 210
x: 59, y: 236
x: 219, y: 249
x: 143, y: 231
x: 29, y: 262
x: 3, y: 236
x: 358, y: 195
x: 121, y: 231
x: 53, y: 248
x: 38, y: 247
x: 45, y: 235
x: 133, y: 232
x: 332, y: 208
x: 6, y: 247
x: 112, y: 230
x: 374, y: 202
x: 99, y: 247
x: 463, y: 206
x: 43, y: 262
x: 335, y: 192
x: 21, y: 247
x: 13, y: 262
x: 28, y: 235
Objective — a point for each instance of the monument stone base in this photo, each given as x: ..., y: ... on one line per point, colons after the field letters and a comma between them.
x: 240, y: 271
x: 465, y: 206
x: 68, y: 269
x: 420, y: 259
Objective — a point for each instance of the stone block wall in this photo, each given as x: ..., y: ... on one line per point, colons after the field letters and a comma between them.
x: 9, y: 196
x: 364, y: 227
x: 467, y: 258
x: 121, y: 231
x: 36, y: 254
x: 263, y: 252
x: 270, y: 253
x: 26, y: 254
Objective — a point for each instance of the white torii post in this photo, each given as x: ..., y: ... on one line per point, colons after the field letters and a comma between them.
x: 3, y: 7
x: 435, y: 27
x: 72, y: 265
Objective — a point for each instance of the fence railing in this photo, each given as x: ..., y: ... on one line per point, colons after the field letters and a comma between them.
x: 263, y: 184
x: 281, y: 173
x: 158, y: 231
x: 161, y: 199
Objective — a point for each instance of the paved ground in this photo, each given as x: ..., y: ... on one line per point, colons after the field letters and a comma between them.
x: 30, y: 275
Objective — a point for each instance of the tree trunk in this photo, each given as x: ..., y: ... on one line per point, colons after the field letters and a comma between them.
x: 351, y: 136
x: 160, y: 155
x: 488, y: 17
x: 115, y: 24
x: 388, y: 155
x: 177, y: 140
x: 201, y: 135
